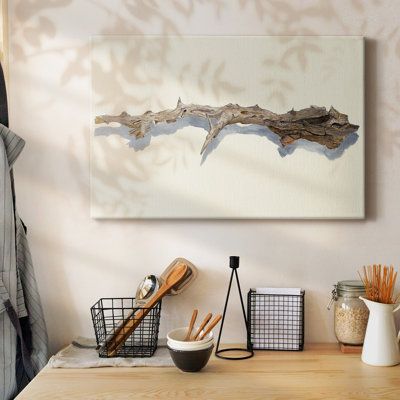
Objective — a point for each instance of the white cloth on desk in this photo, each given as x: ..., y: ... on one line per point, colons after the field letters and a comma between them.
x: 82, y: 353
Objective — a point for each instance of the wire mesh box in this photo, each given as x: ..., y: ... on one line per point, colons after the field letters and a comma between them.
x: 276, y: 321
x: 109, y: 314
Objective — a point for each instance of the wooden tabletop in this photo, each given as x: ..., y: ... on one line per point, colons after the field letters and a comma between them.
x: 319, y: 372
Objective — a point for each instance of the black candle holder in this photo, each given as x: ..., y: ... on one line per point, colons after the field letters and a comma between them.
x: 234, y: 265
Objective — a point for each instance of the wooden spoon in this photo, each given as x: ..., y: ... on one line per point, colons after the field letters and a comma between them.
x: 175, y: 276
x: 210, y: 327
x: 203, y: 324
x: 192, y: 321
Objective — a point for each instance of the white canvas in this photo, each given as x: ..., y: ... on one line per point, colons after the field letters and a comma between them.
x: 247, y: 174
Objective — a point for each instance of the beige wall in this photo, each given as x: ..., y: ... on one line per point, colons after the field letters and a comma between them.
x: 78, y: 259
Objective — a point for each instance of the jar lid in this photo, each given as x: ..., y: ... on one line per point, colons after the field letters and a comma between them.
x: 350, y: 287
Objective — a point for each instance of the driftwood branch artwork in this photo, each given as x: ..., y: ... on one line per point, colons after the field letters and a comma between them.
x: 328, y: 128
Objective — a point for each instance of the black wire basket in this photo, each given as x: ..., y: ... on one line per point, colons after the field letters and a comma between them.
x: 109, y: 314
x: 276, y: 321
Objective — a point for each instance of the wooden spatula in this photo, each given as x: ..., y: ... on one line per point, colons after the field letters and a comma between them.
x: 174, y: 277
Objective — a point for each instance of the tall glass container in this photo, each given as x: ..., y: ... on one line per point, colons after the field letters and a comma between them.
x: 350, y: 313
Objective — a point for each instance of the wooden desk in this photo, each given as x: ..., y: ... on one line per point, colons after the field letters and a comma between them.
x: 319, y: 372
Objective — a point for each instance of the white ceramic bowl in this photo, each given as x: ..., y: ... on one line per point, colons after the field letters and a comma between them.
x: 175, y: 340
x: 182, y: 347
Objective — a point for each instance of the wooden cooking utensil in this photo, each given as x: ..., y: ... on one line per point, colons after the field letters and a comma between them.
x: 192, y: 321
x: 174, y: 277
x: 210, y: 327
x: 203, y: 324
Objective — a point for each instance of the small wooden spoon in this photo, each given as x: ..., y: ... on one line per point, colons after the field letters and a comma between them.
x: 192, y: 321
x: 175, y: 276
x: 210, y: 327
x: 203, y: 324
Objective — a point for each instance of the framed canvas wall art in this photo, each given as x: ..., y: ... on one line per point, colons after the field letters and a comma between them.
x: 227, y: 127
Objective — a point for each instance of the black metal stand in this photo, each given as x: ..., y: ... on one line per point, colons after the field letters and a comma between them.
x: 234, y: 264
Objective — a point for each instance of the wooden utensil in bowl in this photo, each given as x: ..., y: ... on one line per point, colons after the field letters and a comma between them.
x: 191, y: 325
x: 174, y: 277
x: 203, y: 324
x: 210, y: 327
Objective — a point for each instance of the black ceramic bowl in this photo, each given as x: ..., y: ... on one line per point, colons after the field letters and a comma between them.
x: 191, y: 361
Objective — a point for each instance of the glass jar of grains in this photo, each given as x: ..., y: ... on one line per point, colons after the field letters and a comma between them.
x: 350, y: 313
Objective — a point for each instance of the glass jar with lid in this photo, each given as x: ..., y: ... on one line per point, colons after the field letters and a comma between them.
x: 350, y: 313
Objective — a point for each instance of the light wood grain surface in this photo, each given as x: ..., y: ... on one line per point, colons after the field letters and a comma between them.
x: 319, y: 372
